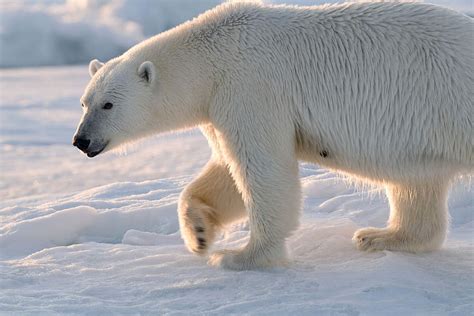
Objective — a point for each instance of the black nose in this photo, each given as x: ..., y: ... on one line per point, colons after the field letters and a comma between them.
x: 81, y: 143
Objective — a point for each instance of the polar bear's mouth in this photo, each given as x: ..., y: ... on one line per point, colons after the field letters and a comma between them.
x: 95, y: 153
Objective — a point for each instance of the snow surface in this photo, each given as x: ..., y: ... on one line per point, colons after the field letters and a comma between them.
x: 77, y: 31
x: 100, y: 236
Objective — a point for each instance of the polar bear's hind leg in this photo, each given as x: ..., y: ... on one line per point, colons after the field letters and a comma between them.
x: 418, y: 219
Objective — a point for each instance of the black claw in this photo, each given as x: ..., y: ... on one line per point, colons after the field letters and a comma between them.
x: 324, y: 153
x: 202, y: 243
x: 199, y: 229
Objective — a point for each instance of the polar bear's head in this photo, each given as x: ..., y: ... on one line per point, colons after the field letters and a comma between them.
x: 117, y: 105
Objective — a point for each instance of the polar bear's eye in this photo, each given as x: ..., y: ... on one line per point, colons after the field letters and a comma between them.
x: 107, y: 106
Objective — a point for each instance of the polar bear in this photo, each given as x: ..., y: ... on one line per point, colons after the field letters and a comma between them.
x: 378, y: 91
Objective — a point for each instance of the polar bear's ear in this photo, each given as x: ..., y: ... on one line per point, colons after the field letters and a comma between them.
x: 147, y: 71
x: 94, y: 65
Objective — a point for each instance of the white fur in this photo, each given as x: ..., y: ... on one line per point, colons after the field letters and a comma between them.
x: 94, y: 65
x: 379, y: 91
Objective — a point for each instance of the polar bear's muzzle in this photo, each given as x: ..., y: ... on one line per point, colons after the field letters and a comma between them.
x: 84, y: 144
x: 94, y: 153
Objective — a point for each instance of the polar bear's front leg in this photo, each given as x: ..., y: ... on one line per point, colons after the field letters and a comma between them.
x: 269, y: 182
x: 418, y: 219
x: 206, y: 204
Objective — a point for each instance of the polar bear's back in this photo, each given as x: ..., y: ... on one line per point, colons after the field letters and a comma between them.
x: 384, y: 88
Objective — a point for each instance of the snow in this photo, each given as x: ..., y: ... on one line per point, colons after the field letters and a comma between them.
x: 101, y: 236
x: 77, y: 31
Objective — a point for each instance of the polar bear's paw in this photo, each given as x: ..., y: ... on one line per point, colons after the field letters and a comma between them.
x: 376, y: 239
x: 245, y: 260
x: 197, y: 228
